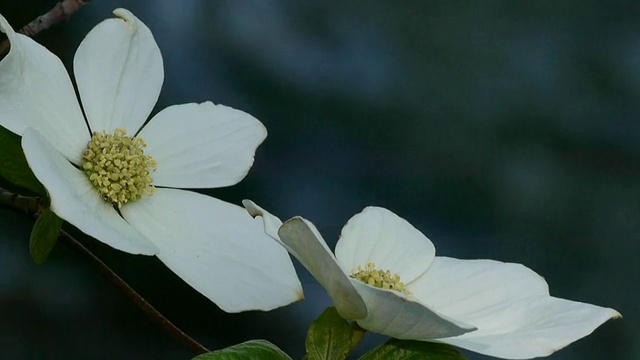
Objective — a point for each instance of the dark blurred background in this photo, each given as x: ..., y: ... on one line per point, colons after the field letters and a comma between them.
x: 502, y: 130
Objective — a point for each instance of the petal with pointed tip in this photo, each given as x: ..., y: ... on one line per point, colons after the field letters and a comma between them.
x: 202, y: 145
x: 74, y: 199
x: 218, y: 249
x: 35, y: 91
x: 308, y: 246
x: 532, y: 327
x: 118, y: 68
x: 377, y: 235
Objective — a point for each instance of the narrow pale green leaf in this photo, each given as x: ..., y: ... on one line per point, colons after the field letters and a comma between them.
x: 254, y: 349
x: 395, y: 349
x: 329, y: 337
x: 13, y: 165
x: 44, y: 235
x: 356, y: 334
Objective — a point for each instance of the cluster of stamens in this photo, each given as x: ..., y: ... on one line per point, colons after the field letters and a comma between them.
x: 117, y: 167
x: 379, y: 278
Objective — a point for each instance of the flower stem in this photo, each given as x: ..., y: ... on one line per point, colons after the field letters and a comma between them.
x: 62, y: 11
x: 134, y: 296
x: 32, y: 206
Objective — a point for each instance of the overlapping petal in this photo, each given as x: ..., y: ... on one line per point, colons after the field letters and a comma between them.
x: 202, y: 145
x: 35, y: 91
x: 404, y: 317
x: 305, y: 243
x: 119, y: 71
x: 218, y: 249
x: 74, y: 199
x: 271, y: 223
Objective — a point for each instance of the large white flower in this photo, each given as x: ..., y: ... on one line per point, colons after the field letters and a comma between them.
x: 490, y: 307
x: 101, y: 178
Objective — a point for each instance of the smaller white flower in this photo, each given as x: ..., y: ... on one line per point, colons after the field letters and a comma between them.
x: 490, y: 307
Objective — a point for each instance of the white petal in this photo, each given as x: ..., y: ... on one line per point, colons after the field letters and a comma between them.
x: 271, y: 223
x: 119, y: 72
x: 467, y: 289
x: 533, y: 327
x: 202, y: 145
x: 377, y: 235
x: 399, y: 316
x: 218, y: 249
x: 35, y: 91
x: 74, y: 199
x: 307, y: 245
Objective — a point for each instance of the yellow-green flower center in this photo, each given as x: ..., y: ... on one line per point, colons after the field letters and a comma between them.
x: 379, y: 278
x: 117, y: 166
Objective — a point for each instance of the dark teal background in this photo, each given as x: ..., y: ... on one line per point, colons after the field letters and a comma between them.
x: 502, y: 130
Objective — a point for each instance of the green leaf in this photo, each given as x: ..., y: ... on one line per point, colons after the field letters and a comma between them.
x: 44, y: 235
x: 395, y: 349
x: 14, y: 166
x: 329, y: 337
x: 254, y: 349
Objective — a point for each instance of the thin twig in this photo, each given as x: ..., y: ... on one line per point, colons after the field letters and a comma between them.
x: 62, y: 11
x: 32, y: 207
x: 134, y: 296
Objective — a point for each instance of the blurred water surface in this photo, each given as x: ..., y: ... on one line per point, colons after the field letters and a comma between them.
x: 502, y: 130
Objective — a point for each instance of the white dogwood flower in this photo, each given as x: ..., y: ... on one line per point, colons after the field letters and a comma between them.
x: 115, y: 177
x: 385, y: 276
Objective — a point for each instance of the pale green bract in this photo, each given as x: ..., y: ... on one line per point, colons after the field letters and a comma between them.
x: 490, y: 307
x: 214, y: 246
